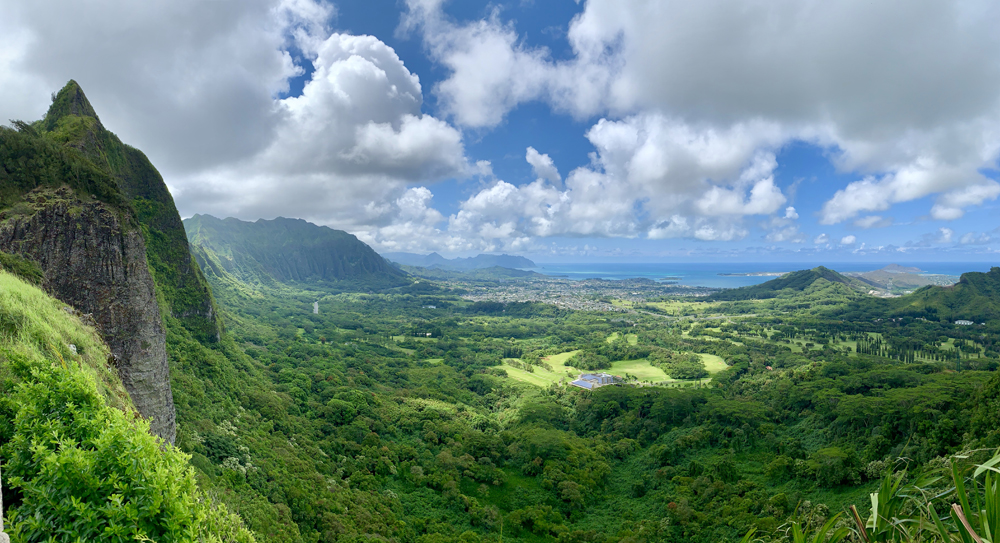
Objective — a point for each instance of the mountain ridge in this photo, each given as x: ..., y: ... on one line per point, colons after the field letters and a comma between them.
x: 790, y: 283
x: 283, y: 250
x: 480, y: 261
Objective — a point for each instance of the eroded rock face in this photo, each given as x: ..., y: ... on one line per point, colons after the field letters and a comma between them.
x: 98, y: 264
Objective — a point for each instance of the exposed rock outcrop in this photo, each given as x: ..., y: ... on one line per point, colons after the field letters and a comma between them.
x: 73, y: 121
x: 94, y: 259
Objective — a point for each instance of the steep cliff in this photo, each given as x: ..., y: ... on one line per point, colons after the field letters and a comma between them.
x: 72, y: 121
x: 98, y: 220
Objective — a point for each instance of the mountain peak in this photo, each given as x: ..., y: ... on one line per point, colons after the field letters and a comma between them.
x: 69, y: 101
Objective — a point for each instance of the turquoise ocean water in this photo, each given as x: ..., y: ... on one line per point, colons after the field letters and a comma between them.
x: 708, y: 274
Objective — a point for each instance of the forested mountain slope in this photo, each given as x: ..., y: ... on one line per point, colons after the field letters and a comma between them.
x: 976, y: 297
x: 284, y: 250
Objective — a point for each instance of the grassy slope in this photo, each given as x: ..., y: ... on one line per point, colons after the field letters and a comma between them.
x: 37, y: 326
x: 66, y: 423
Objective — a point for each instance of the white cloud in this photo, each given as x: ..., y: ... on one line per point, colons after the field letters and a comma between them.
x: 972, y: 238
x: 945, y: 235
x: 344, y: 151
x: 821, y: 239
x: 912, y: 108
x: 542, y: 166
x: 190, y: 82
x: 790, y: 213
x: 848, y: 240
x: 872, y: 221
x: 650, y: 175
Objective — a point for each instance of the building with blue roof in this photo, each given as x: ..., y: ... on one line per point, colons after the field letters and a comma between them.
x: 590, y: 381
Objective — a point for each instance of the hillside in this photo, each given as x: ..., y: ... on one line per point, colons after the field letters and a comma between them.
x: 792, y: 284
x: 976, y: 297
x: 285, y: 250
x: 898, y: 279
x: 482, y: 261
x: 65, y: 422
x: 97, y: 220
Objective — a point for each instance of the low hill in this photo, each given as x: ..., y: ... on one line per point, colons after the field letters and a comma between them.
x: 976, y: 297
x: 285, y: 250
x: 478, y: 262
x: 791, y: 284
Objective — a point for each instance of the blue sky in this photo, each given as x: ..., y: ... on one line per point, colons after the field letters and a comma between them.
x: 631, y: 130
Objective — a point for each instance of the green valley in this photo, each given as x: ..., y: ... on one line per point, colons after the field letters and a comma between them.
x: 324, y: 393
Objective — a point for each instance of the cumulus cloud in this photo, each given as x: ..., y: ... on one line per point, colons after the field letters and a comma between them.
x: 848, y: 240
x: 650, y: 176
x: 911, y: 108
x: 542, y: 166
x: 821, y: 239
x: 945, y: 235
x: 345, y: 150
x: 193, y: 97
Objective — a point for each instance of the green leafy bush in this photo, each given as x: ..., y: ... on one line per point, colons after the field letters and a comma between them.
x: 85, y: 471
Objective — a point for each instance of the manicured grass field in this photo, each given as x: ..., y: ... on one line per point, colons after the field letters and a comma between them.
x: 713, y: 363
x: 642, y: 369
x: 542, y: 377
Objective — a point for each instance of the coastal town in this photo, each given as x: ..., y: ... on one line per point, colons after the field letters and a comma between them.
x: 585, y: 295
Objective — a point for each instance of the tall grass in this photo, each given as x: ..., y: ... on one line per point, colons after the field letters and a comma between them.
x: 36, y: 326
x: 956, y: 502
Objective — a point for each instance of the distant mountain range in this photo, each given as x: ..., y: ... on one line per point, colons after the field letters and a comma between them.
x: 898, y: 279
x: 436, y: 261
x: 284, y: 250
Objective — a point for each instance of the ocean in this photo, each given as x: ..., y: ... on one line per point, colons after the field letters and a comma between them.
x: 708, y: 274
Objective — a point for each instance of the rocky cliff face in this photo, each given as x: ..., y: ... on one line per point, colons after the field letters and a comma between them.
x: 95, y: 260
x: 72, y: 121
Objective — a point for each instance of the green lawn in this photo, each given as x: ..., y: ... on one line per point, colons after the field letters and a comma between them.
x: 542, y: 377
x: 713, y: 364
x: 642, y: 369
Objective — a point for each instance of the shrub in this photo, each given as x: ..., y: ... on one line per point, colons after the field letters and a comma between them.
x: 83, y: 471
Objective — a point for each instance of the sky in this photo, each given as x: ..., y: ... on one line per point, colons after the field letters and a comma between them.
x: 566, y: 131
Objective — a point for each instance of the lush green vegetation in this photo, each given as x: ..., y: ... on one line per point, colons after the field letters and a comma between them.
x: 451, y: 423
x: 79, y: 463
